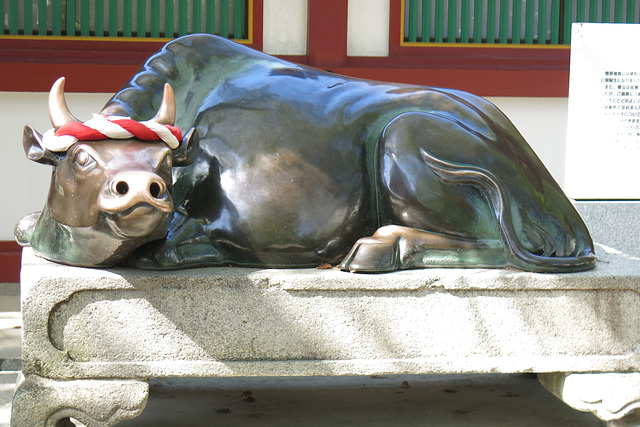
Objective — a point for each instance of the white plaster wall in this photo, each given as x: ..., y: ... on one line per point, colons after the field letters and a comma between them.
x: 285, y: 27
x: 542, y: 121
x: 24, y: 184
x: 368, y: 28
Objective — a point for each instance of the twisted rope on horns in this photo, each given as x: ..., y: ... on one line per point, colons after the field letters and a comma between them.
x: 68, y: 130
x: 110, y: 127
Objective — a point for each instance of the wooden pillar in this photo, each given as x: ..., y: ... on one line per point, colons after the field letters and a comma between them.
x: 327, y: 33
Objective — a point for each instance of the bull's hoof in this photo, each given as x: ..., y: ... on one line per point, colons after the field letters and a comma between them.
x: 372, y: 255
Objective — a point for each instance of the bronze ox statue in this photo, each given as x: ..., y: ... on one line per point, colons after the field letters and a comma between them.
x: 287, y: 166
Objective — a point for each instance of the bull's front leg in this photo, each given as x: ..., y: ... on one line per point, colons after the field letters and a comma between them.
x: 186, y: 244
x: 195, y: 242
x: 202, y: 231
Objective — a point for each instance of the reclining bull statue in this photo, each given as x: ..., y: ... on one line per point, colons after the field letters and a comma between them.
x: 287, y: 166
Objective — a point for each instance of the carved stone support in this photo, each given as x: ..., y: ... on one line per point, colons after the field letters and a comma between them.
x: 41, y: 401
x: 612, y: 397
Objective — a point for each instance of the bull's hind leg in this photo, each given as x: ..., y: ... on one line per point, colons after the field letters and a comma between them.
x: 395, y: 247
x: 470, y: 175
x: 424, y: 220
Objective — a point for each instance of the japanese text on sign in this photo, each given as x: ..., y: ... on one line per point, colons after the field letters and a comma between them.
x: 620, y: 102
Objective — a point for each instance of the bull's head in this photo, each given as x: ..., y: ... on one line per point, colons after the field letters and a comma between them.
x: 107, y: 196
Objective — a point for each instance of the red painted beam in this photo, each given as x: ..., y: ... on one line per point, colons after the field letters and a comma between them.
x: 257, y: 21
x: 327, y: 33
x: 395, y: 26
x: 71, y: 51
x: 27, y: 77
x: 90, y: 78
x: 10, y: 256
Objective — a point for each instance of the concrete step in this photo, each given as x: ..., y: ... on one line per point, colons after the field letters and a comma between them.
x: 7, y: 385
x: 10, y: 333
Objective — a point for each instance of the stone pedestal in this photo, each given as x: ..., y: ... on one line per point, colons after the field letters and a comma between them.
x: 97, y: 335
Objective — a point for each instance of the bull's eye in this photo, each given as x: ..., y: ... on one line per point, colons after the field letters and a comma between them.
x: 83, y: 159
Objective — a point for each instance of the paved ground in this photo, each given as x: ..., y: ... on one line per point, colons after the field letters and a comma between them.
x: 9, y: 332
x: 479, y: 400
x: 419, y: 400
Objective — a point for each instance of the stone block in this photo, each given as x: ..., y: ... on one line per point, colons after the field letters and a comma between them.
x: 614, y: 223
x: 91, y: 324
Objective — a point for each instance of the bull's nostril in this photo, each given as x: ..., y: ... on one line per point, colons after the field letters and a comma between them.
x: 122, y: 188
x: 155, y: 190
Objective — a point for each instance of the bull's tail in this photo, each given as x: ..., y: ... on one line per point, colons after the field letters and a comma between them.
x: 455, y: 174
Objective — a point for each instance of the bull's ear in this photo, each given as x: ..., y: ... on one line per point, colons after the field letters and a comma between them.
x: 35, y: 150
x: 188, y: 150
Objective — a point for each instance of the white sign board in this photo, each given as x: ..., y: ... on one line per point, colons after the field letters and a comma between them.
x: 603, y: 129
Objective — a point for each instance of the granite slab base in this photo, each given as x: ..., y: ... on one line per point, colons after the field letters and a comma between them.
x: 85, y: 328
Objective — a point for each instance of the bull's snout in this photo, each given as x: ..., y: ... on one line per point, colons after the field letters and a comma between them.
x: 129, y: 189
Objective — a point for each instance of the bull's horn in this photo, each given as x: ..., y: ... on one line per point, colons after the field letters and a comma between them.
x: 58, y: 110
x: 167, y: 111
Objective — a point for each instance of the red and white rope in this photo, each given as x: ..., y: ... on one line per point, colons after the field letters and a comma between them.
x: 110, y: 127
